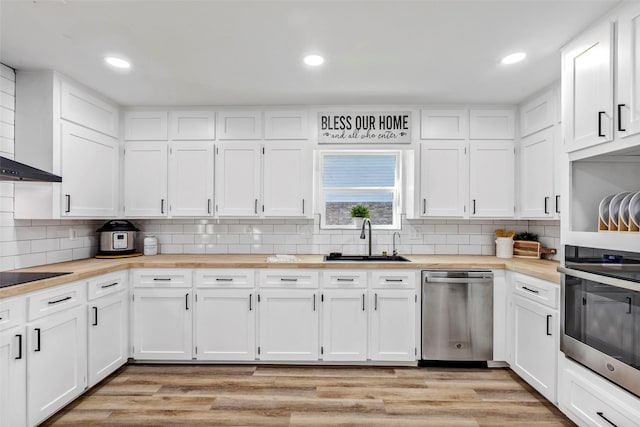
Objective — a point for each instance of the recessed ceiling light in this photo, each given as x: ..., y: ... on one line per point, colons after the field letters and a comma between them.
x: 513, y: 58
x: 313, y: 60
x: 117, y: 62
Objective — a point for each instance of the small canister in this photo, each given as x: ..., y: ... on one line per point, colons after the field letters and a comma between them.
x: 504, y: 247
x: 150, y: 245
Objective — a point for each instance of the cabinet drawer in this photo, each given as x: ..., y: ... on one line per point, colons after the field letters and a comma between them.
x: 288, y: 279
x: 224, y: 278
x: 344, y: 279
x: 591, y: 401
x: 393, y: 280
x: 106, y: 285
x: 538, y: 290
x: 12, y: 313
x: 166, y: 278
x: 56, y: 300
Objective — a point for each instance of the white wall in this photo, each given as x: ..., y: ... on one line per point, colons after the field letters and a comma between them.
x: 25, y: 243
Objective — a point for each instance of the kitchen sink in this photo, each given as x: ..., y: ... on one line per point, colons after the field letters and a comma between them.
x: 364, y: 258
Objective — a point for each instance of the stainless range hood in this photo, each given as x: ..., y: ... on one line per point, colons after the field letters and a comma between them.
x: 10, y: 170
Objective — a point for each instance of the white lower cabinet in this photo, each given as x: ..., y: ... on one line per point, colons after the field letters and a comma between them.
x: 13, y: 377
x: 590, y: 400
x: 392, y: 331
x: 57, y: 360
x: 162, y: 324
x: 344, y: 325
x: 225, y: 324
x: 288, y: 322
x: 107, y: 335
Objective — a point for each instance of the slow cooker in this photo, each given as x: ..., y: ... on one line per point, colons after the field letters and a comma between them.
x: 117, y: 237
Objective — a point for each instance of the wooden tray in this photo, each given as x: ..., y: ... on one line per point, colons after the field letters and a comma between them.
x: 526, y: 249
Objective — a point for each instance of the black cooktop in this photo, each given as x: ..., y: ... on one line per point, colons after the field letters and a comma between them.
x: 8, y: 278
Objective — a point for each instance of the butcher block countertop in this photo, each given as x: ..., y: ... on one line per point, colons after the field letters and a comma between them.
x: 86, y: 268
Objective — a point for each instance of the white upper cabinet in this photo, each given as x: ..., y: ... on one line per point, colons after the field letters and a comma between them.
x: 90, y: 182
x: 145, y: 179
x: 587, y: 84
x: 537, y: 114
x: 192, y: 125
x: 537, y: 196
x: 191, y: 178
x: 82, y: 107
x: 444, y: 178
x: 444, y: 124
x: 287, y: 179
x: 491, y: 124
x: 628, y: 93
x: 145, y: 126
x: 237, y: 179
x: 491, y: 179
x: 239, y: 125
x: 286, y: 124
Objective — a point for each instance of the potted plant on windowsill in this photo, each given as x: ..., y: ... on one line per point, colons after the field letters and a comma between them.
x: 359, y: 213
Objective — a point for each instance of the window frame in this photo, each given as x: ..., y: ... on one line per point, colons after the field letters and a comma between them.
x: 396, y: 190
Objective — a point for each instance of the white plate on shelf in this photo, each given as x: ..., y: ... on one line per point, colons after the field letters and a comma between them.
x: 624, y: 210
x: 634, y: 209
x: 603, y: 209
x: 614, y: 206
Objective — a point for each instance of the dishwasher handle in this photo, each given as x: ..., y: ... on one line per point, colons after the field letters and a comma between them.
x: 459, y: 280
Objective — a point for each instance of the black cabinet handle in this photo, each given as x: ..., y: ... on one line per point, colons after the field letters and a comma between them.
x: 95, y: 316
x: 220, y: 279
x: 161, y: 279
x: 68, y: 197
x: 19, y: 336
x: 557, y: 203
x: 474, y: 206
x: 108, y: 286
x: 375, y: 301
x: 629, y: 302
x: 340, y: 279
x: 209, y: 206
x: 314, y: 302
x: 620, y: 129
x: 161, y: 206
x: 600, y: 113
x: 186, y: 302
x: 548, y: 323
x: 250, y: 302
x: 303, y: 206
x: 255, y: 206
x: 37, y: 330
x: 601, y: 415
x: 284, y: 279
x: 362, y: 302
x: 530, y: 290
x: 424, y: 206
x: 60, y: 300
x: 393, y: 280
x: 546, y: 205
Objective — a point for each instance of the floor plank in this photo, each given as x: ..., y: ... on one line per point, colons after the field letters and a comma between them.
x: 267, y: 395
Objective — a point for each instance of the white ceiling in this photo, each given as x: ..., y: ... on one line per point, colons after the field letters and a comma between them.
x: 239, y: 52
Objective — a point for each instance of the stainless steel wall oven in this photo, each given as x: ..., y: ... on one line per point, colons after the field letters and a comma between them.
x: 600, y: 313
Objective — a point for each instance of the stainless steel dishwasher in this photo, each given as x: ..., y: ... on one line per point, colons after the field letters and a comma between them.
x: 457, y: 315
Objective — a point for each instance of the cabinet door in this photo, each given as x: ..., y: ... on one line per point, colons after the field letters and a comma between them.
x: 145, y: 126
x: 57, y: 358
x: 239, y: 125
x: 535, y: 342
x: 287, y: 179
x: 108, y: 337
x: 285, y: 124
x: 90, y: 169
x: 587, y: 84
x: 491, y: 124
x: 491, y: 184
x: 444, y: 124
x: 191, y: 178
x: 162, y: 324
x: 238, y: 179
x: 225, y: 324
x: 444, y: 178
x: 288, y: 324
x: 628, y: 108
x: 393, y: 325
x: 344, y: 325
x: 192, y: 125
x: 537, y: 175
x: 145, y: 185
x: 538, y: 113
x: 13, y: 377
x: 82, y: 107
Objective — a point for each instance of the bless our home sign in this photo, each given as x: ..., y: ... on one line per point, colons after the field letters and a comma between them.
x: 364, y: 128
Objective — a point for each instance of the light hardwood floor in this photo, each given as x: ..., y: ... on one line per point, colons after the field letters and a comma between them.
x: 267, y: 395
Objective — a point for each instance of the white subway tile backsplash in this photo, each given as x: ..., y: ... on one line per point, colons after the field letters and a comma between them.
x: 45, y: 245
x: 59, y: 256
x: 446, y: 229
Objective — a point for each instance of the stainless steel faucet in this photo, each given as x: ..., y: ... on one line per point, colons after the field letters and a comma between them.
x: 362, y: 235
x: 394, y: 242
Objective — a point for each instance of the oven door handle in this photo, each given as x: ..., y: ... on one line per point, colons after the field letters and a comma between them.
x: 606, y: 280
